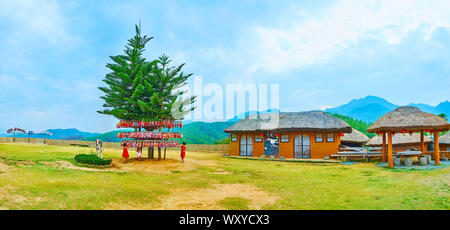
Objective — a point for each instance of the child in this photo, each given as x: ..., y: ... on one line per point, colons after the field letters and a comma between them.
x: 183, y: 152
x: 125, y: 153
x: 139, y: 153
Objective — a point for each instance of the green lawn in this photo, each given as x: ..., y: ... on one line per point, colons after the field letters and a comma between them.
x: 28, y: 180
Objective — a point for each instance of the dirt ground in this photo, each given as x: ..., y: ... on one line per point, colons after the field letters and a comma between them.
x: 209, y: 198
x: 166, y: 166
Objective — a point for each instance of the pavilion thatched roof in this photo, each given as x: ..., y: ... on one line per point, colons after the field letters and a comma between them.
x: 312, y: 121
x: 399, y: 139
x: 408, y: 118
x: 355, y: 137
x: 445, y: 139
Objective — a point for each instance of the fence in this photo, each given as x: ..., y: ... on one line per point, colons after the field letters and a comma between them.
x: 223, y: 148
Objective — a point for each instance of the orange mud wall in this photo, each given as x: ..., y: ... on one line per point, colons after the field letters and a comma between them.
x: 444, y: 147
x: 258, y: 147
x: 318, y: 150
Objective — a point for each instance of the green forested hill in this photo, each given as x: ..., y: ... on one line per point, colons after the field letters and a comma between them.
x: 356, y: 124
x: 193, y: 133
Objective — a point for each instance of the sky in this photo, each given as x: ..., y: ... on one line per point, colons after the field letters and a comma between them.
x: 321, y: 53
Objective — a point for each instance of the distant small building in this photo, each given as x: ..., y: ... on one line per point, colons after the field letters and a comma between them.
x: 354, y: 139
x: 313, y: 134
x: 401, y: 141
x: 444, y: 142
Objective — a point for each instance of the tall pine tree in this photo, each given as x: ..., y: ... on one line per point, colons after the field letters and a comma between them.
x: 125, y: 81
x: 138, y: 89
x: 144, y: 90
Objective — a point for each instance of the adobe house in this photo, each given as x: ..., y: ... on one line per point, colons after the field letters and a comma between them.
x: 401, y: 142
x: 313, y: 134
x: 354, y: 139
x: 444, y: 142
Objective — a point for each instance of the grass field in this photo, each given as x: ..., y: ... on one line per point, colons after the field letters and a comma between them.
x: 46, y: 177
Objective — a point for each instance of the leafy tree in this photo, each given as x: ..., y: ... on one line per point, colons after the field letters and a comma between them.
x: 443, y: 116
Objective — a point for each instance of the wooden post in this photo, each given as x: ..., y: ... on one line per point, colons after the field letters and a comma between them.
x: 384, y: 147
x: 390, y: 154
x: 436, y: 148
x: 422, y: 142
x: 151, y: 151
x: 159, y: 153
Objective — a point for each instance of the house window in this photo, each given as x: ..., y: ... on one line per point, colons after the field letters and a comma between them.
x: 233, y: 137
x: 285, y: 138
x: 319, y: 137
x: 330, y: 137
x: 258, y: 138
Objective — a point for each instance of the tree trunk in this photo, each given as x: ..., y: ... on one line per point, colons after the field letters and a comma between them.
x: 159, y: 153
x: 164, y: 153
x: 151, y: 152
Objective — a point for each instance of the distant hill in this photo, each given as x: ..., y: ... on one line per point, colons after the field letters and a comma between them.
x: 245, y: 114
x: 61, y: 134
x: 193, y: 133
x: 70, y: 134
x: 370, y: 108
x: 367, y: 109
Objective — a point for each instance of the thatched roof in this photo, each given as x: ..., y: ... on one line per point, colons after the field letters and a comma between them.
x: 409, y: 118
x: 445, y: 139
x: 313, y: 121
x: 399, y: 139
x: 355, y: 137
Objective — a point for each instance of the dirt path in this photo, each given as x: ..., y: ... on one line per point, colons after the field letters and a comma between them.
x: 209, y: 198
x: 163, y: 166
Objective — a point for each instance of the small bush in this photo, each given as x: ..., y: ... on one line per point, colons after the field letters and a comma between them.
x: 91, y: 159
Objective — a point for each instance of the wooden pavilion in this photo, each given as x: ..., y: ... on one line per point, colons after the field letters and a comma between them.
x: 408, y: 119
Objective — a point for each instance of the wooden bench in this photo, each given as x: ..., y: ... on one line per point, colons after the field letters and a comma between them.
x: 345, y: 151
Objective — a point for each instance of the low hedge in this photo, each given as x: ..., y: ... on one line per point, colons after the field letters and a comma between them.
x: 91, y: 159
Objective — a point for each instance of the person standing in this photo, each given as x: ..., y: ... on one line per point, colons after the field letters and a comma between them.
x: 125, y: 155
x: 183, y: 152
x: 139, y: 152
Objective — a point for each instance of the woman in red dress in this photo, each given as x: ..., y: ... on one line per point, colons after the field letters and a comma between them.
x: 183, y: 152
x: 125, y: 153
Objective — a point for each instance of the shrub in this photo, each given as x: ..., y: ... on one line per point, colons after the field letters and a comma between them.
x: 91, y: 159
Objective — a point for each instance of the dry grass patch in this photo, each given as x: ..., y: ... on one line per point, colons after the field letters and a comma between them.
x: 68, y: 165
x: 10, y: 198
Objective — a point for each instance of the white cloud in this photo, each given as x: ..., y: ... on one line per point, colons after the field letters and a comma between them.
x: 315, y: 39
x: 35, y: 21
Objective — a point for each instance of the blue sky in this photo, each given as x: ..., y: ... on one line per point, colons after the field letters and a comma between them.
x: 322, y: 54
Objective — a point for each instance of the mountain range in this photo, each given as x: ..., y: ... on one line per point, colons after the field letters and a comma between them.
x: 370, y: 108
x: 366, y: 109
